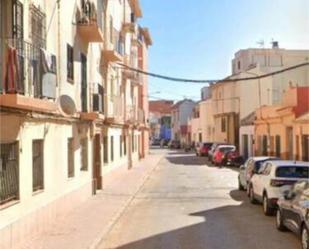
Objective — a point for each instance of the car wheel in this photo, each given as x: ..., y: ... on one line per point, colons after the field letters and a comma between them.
x: 279, y: 221
x: 305, y: 237
x: 240, y: 187
x: 251, y: 195
x: 266, y: 208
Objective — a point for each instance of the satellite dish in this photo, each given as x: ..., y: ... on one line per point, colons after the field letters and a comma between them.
x: 67, y: 105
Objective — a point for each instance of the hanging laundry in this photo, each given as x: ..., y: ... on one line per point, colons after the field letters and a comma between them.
x: 48, y: 61
x: 13, y: 82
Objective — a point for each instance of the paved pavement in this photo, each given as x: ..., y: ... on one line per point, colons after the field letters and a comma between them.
x: 87, y: 225
x: 186, y: 204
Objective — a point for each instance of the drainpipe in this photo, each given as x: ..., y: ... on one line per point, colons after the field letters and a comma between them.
x: 59, y: 47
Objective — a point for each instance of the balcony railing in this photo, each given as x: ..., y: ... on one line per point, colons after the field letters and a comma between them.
x: 26, y: 71
x: 87, y: 23
x: 96, y: 100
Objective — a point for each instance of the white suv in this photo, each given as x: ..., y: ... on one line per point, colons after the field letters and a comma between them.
x: 273, y: 178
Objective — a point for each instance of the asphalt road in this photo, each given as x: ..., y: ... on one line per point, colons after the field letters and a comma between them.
x: 186, y: 204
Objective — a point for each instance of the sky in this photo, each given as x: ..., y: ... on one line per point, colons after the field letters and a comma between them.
x: 197, y: 39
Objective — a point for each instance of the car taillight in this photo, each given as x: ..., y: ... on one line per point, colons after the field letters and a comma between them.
x: 279, y: 183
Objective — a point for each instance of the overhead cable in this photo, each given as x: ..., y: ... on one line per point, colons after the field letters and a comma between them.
x: 229, y: 79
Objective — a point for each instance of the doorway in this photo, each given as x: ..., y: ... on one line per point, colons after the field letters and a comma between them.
x: 289, y: 141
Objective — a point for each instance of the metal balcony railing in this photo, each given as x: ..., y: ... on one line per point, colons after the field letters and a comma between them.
x: 96, y: 97
x: 88, y: 14
x: 24, y: 72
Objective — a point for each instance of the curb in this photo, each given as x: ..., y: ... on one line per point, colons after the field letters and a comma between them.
x: 121, y: 211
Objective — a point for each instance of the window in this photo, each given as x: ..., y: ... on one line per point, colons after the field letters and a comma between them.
x: 278, y: 146
x: 111, y: 30
x: 112, y: 148
x: 70, y: 157
x: 305, y: 148
x: 238, y: 65
x: 293, y: 172
x: 70, y: 62
x: 120, y: 145
x: 223, y: 124
x: 37, y: 165
x: 9, y: 172
x: 272, y: 145
x: 84, y: 154
x: 37, y: 26
x: 105, y: 150
x: 200, y: 137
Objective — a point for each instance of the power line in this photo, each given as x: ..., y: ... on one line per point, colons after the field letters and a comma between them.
x: 211, y: 81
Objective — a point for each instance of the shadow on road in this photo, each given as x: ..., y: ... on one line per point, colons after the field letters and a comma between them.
x: 187, y: 159
x: 239, y: 226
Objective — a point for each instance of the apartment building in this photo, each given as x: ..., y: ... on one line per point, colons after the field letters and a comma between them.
x: 69, y: 113
x: 282, y: 130
x: 181, y: 112
x: 234, y: 101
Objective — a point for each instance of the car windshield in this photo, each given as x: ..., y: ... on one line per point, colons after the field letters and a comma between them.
x: 208, y: 145
x: 226, y: 149
x: 293, y: 172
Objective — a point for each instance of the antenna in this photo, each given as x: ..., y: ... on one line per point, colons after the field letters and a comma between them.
x: 261, y: 43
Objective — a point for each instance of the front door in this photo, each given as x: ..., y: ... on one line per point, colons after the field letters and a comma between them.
x: 289, y: 146
x: 97, y: 178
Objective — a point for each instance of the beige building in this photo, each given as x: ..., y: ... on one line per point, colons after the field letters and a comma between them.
x: 282, y: 130
x: 69, y: 113
x: 201, y: 123
x: 235, y: 100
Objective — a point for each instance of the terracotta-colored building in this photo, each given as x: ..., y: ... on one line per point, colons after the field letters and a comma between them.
x: 283, y: 130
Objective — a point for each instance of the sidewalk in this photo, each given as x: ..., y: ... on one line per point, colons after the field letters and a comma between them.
x: 85, y: 227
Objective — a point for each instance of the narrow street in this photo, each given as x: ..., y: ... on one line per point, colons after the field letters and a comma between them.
x: 189, y: 205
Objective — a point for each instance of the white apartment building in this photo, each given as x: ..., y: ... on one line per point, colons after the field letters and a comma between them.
x: 69, y: 113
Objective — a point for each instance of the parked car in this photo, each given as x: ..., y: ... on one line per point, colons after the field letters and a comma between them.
x: 220, y: 152
x: 273, y: 178
x: 156, y: 142
x: 212, y: 150
x: 249, y: 168
x: 201, y: 149
x: 232, y: 158
x: 293, y: 211
x: 174, y: 144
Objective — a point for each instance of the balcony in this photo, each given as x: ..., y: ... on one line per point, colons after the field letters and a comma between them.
x: 87, y: 25
x: 111, y: 56
x: 135, y: 77
x: 96, y: 97
x: 29, y: 81
x: 115, y: 112
x: 129, y: 27
x: 115, y: 51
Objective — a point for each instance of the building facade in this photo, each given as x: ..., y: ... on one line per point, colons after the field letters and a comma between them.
x: 283, y: 130
x: 160, y: 119
x: 234, y: 100
x: 181, y: 112
x: 71, y: 110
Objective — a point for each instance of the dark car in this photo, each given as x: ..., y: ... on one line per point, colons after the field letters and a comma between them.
x: 156, y: 142
x: 293, y: 211
x: 174, y: 144
x: 201, y: 149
